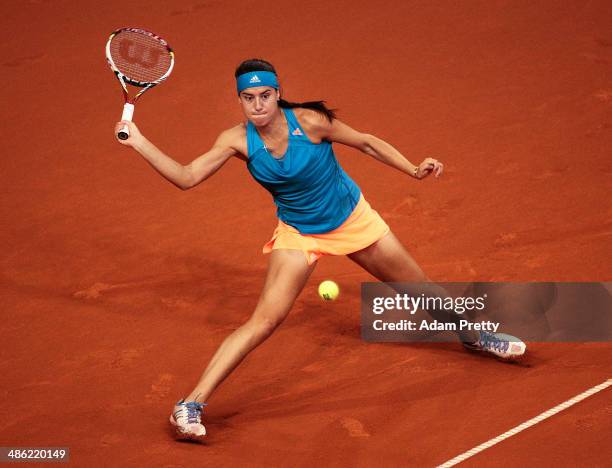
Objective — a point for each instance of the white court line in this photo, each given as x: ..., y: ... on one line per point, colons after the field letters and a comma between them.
x: 525, y: 425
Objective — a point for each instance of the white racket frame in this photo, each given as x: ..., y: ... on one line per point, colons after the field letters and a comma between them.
x: 128, y: 107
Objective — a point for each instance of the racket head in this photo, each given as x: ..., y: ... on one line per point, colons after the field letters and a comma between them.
x: 139, y: 57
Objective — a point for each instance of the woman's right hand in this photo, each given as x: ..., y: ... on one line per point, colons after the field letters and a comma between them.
x: 135, y: 136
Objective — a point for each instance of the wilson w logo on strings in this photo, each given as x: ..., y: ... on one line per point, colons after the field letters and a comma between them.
x: 137, y: 54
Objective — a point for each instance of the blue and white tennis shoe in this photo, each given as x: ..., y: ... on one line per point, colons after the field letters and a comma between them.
x: 187, y: 420
x: 501, y: 345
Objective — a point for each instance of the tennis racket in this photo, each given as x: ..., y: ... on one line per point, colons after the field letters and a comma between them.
x: 139, y: 58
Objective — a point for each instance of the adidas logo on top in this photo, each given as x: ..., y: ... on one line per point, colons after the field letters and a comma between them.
x: 296, y: 132
x: 254, y: 79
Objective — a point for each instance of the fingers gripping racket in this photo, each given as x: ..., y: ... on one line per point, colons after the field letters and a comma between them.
x: 139, y: 58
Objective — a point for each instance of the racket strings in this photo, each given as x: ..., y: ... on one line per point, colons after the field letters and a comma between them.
x: 140, y: 57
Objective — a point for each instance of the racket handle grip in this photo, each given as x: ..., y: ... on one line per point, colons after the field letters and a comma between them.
x: 128, y: 113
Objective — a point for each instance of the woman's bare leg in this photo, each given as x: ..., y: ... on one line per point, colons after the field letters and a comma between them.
x: 390, y: 262
x: 287, y: 274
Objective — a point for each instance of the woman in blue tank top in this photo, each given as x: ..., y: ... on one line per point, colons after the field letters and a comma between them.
x: 287, y: 148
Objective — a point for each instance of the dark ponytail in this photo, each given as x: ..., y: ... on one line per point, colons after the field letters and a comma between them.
x: 318, y: 106
x: 261, y: 65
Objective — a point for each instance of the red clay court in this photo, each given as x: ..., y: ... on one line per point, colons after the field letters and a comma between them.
x: 103, y: 258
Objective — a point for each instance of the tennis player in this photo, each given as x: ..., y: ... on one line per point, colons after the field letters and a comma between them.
x: 287, y: 148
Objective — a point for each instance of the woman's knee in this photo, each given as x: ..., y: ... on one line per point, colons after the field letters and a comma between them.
x: 286, y: 277
x: 263, y: 324
x: 423, y: 287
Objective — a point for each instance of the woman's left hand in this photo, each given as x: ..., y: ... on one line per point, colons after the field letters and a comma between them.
x: 429, y: 166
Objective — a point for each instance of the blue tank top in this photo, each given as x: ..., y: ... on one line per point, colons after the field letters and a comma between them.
x: 311, y: 191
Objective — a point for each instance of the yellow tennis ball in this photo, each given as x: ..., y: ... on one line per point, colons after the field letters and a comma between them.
x: 328, y: 290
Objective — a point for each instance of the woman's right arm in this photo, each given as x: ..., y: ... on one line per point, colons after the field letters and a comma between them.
x: 183, y: 177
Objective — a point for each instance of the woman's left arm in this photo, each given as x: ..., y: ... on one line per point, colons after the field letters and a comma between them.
x: 337, y: 131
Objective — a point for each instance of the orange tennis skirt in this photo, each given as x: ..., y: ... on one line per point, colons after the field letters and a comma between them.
x: 362, y: 228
